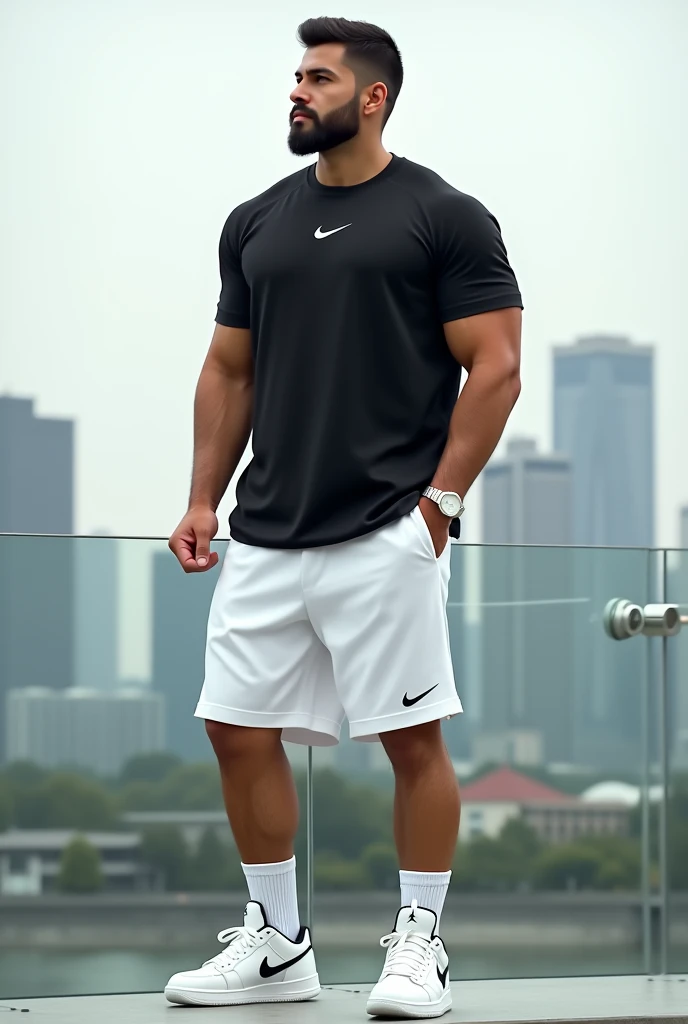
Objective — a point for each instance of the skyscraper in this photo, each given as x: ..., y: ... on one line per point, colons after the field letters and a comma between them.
x: 604, y: 420
x: 526, y: 628
x: 36, y: 470
x: 527, y: 497
x: 37, y: 578
x: 95, y: 615
x: 85, y: 728
x: 180, y: 617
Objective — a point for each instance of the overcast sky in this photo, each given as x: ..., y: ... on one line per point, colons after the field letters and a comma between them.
x: 131, y: 128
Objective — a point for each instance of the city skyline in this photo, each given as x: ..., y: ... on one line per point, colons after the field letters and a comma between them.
x: 113, y: 239
x: 527, y: 496
x: 583, y: 347
x: 603, y: 404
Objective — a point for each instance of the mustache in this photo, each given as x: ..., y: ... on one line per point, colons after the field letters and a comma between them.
x: 305, y: 111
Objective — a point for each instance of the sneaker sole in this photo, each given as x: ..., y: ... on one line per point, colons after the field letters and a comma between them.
x: 409, y: 1011
x: 275, y: 992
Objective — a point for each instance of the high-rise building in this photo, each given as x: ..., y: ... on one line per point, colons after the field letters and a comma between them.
x: 37, y: 578
x: 604, y: 420
x: 181, y: 603
x: 527, y: 497
x: 462, y: 635
x: 36, y: 470
x: 526, y: 628
x: 83, y: 728
x: 95, y: 612
x: 683, y: 528
x: 527, y: 631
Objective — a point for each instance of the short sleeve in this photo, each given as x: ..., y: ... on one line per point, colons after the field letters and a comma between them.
x: 472, y: 268
x: 233, y: 309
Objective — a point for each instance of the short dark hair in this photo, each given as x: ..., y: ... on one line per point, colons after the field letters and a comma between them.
x: 368, y: 49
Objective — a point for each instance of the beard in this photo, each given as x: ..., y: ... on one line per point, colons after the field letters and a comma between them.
x: 319, y: 135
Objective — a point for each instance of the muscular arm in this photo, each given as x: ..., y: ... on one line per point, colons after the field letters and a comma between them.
x: 488, y: 346
x: 223, y: 412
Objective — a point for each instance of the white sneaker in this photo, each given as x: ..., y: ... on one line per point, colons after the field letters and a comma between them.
x: 415, y: 979
x: 260, y: 965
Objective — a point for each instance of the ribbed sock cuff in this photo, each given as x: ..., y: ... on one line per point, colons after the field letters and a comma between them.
x: 274, y: 886
x: 429, y: 888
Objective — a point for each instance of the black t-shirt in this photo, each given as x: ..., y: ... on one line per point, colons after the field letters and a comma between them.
x: 345, y: 290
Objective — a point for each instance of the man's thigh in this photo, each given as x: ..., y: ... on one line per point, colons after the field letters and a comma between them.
x: 379, y: 605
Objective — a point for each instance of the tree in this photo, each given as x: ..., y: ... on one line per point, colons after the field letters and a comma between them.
x: 24, y: 773
x: 488, y: 866
x: 677, y: 832
x: 570, y: 866
x: 214, y: 866
x: 149, y: 767
x: 379, y: 861
x: 80, y: 867
x: 331, y: 872
x: 521, y: 839
x: 64, y: 800
x: 186, y: 787
x: 346, y: 817
x: 191, y: 787
x: 5, y: 806
x: 505, y: 863
x: 164, y: 848
x: 620, y: 861
x: 141, y: 796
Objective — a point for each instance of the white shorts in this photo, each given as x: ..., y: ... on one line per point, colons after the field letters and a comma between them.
x: 297, y: 639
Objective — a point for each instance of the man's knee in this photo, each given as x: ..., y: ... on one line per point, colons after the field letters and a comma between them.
x: 237, y: 742
x: 412, y: 749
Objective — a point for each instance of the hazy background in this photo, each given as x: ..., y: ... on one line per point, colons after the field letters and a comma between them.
x: 131, y: 129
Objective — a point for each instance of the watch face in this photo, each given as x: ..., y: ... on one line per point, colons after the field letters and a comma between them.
x: 450, y: 503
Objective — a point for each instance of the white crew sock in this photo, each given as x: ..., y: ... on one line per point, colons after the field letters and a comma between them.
x: 274, y: 885
x: 428, y: 887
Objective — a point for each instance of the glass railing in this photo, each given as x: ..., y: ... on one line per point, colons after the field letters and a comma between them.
x: 672, y: 674
x: 117, y: 866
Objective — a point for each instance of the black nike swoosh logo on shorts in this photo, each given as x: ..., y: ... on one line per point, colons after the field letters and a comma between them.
x: 266, y: 971
x: 442, y: 975
x: 408, y: 702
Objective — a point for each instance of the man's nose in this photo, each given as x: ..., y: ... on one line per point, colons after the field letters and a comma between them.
x: 300, y: 95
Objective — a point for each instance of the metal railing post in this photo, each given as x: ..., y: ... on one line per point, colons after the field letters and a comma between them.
x: 309, y: 840
x: 664, y: 793
x: 646, y: 893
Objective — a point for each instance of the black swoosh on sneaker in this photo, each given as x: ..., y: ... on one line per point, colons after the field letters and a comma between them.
x: 266, y: 971
x: 408, y: 702
x: 442, y: 975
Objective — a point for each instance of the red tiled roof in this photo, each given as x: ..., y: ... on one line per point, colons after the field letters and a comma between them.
x: 508, y: 786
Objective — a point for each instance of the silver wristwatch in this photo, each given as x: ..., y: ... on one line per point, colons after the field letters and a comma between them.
x: 449, y: 501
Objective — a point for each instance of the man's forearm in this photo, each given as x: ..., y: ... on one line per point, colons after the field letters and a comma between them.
x: 223, y: 412
x: 477, y: 423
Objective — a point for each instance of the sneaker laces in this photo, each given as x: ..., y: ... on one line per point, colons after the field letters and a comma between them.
x: 407, y: 953
x: 240, y: 942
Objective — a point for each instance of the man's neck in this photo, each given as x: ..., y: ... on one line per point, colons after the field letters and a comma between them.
x: 351, y: 166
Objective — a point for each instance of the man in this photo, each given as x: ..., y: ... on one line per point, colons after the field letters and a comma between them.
x: 353, y: 292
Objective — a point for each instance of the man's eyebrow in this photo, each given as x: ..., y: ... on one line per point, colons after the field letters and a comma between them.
x: 316, y: 71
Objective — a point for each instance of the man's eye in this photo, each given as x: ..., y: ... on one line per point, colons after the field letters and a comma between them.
x: 322, y: 78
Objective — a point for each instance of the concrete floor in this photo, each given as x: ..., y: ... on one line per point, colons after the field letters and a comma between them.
x: 608, y: 1000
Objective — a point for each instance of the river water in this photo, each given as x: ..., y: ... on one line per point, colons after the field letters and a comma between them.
x: 26, y: 973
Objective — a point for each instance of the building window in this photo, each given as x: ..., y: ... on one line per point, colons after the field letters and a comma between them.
x: 475, y: 822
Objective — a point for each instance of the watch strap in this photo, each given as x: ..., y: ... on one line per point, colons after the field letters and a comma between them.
x: 434, y: 493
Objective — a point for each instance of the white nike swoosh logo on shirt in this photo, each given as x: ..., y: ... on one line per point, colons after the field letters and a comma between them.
x: 319, y: 233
